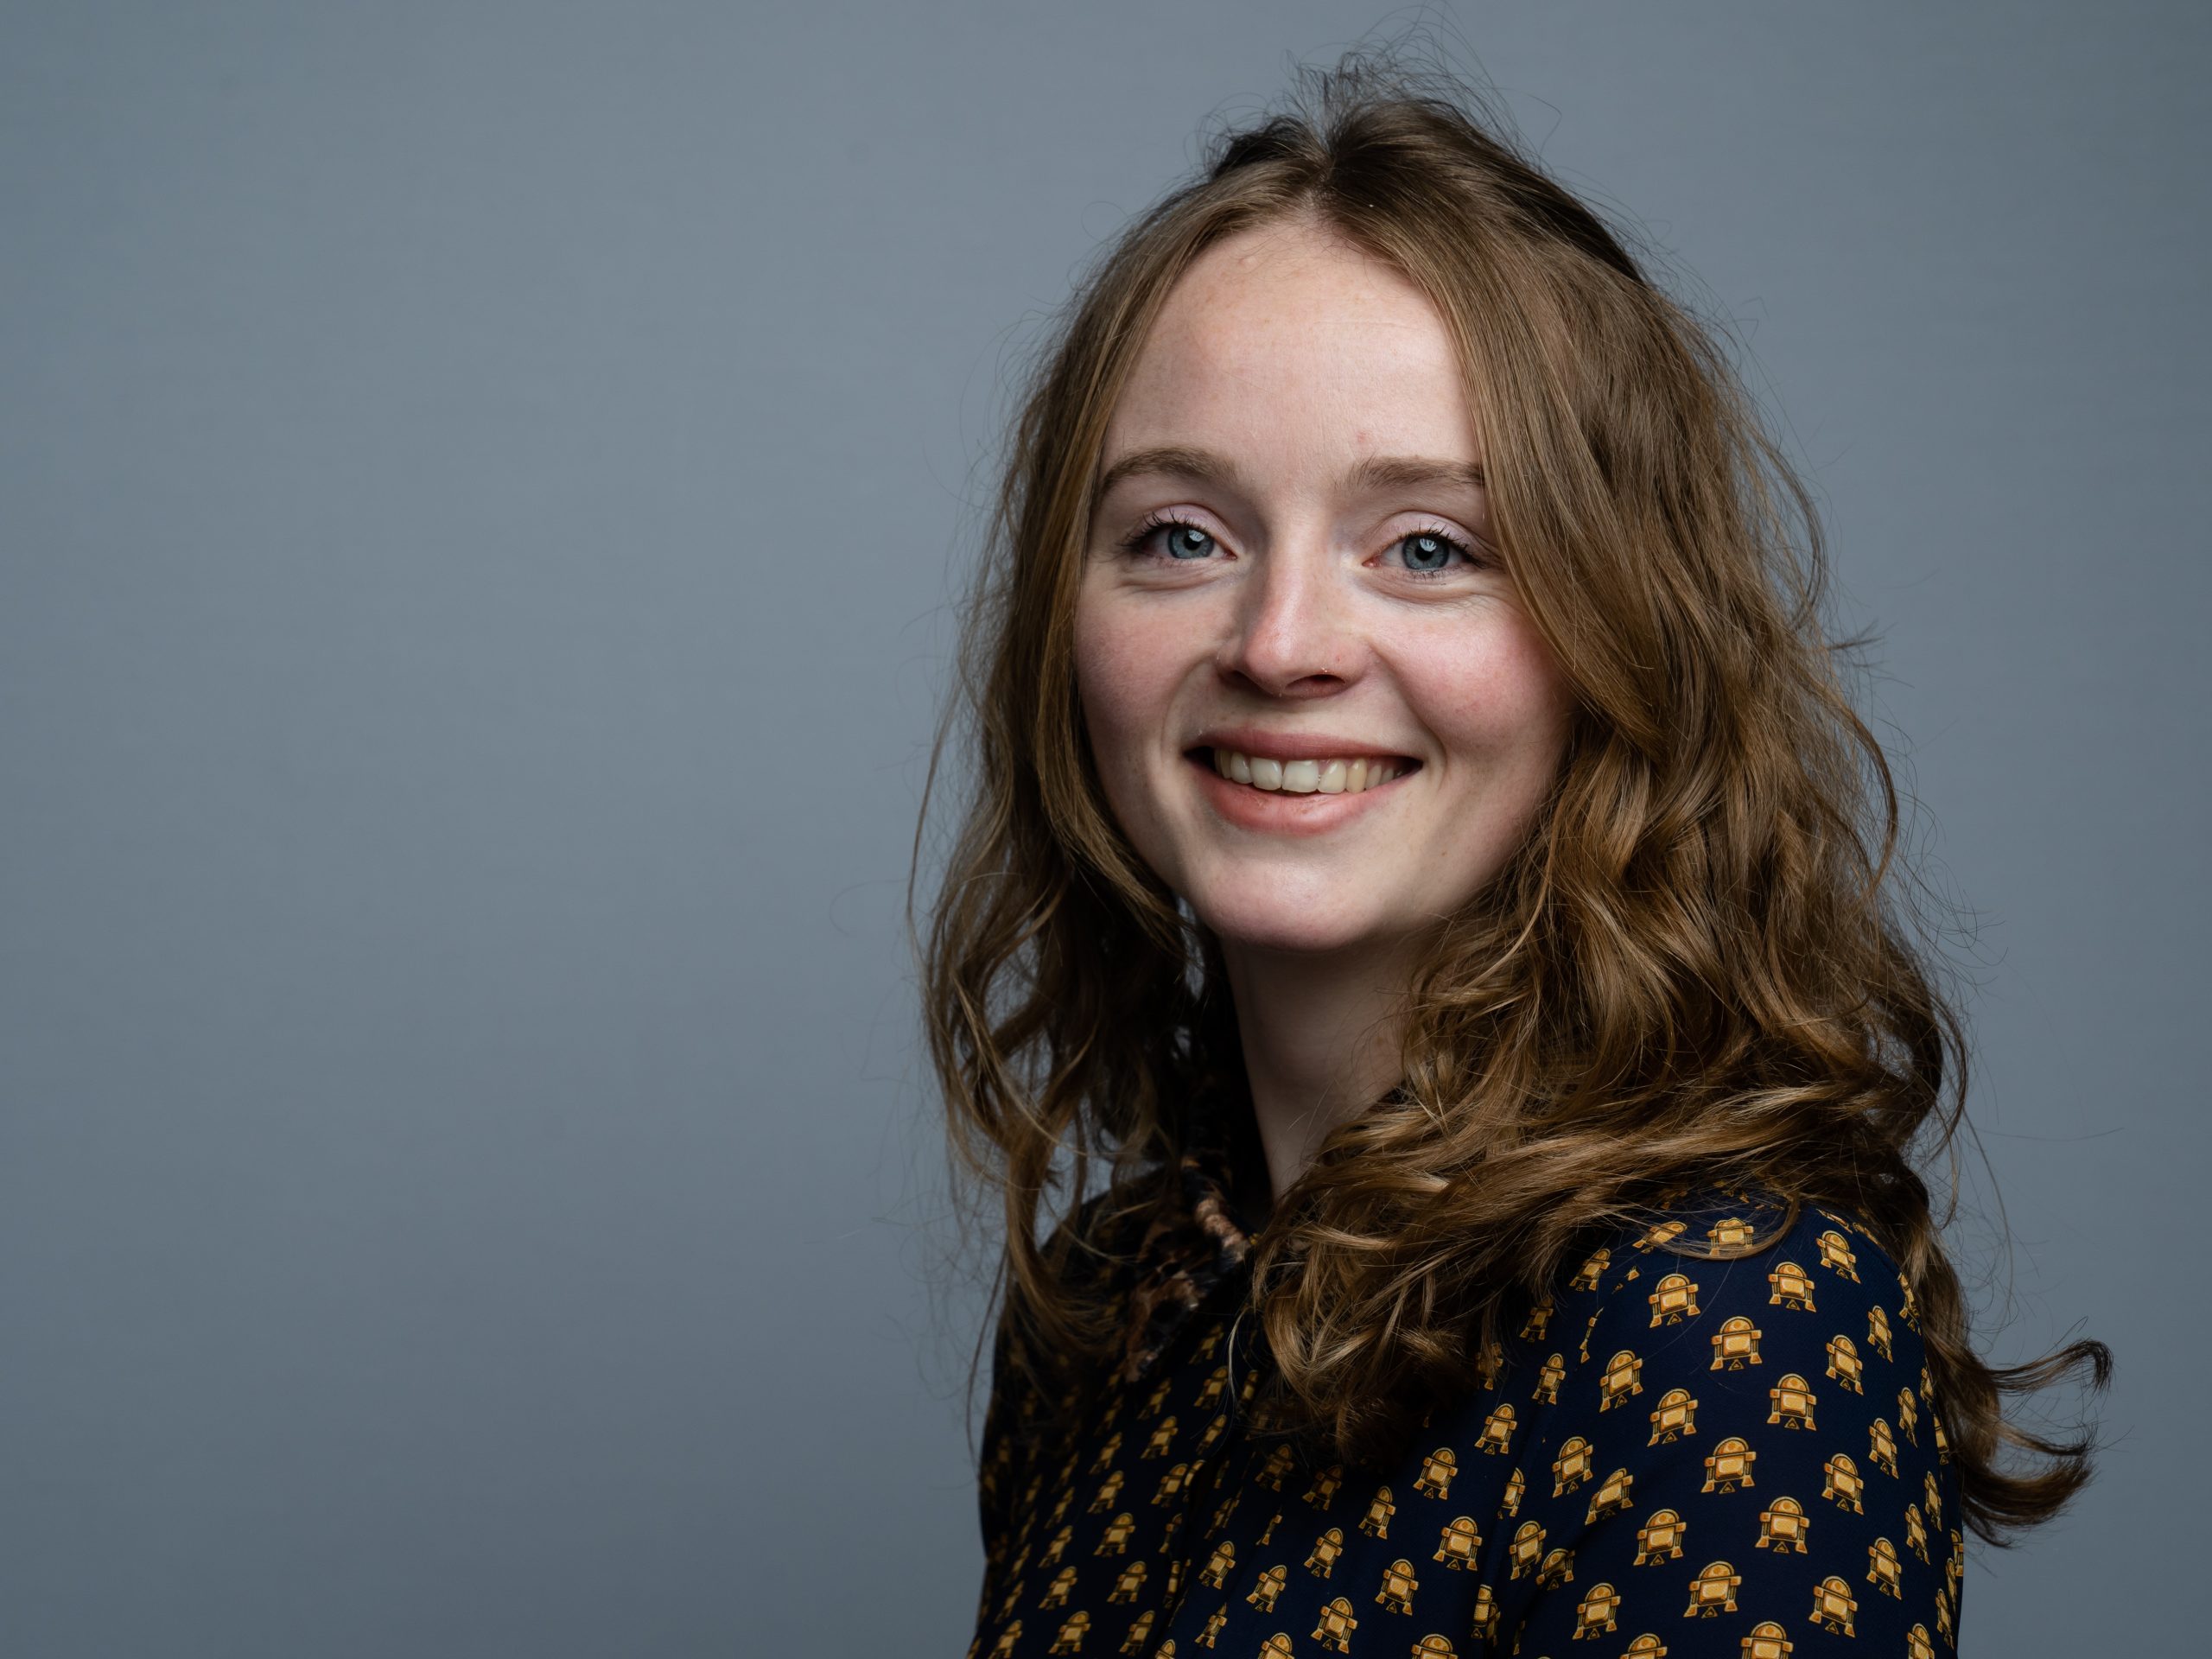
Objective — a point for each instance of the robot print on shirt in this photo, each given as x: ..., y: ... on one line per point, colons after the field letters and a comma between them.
x: 1672, y: 1441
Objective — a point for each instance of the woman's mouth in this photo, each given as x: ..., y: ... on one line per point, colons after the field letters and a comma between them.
x: 1346, y: 775
x: 1298, y: 798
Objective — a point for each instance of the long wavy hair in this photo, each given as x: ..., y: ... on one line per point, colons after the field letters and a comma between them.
x: 1694, y: 970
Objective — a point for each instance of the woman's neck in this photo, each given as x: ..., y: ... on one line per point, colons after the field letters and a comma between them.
x: 1320, y: 1041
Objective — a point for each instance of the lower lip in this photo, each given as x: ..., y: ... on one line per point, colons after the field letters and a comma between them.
x: 1284, y: 812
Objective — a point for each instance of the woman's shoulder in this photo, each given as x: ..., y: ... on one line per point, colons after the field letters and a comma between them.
x: 1736, y: 1391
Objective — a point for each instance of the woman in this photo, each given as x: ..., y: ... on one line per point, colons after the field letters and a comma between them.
x: 1419, y: 873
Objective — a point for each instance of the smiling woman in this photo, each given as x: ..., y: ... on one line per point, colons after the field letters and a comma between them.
x: 1420, y: 910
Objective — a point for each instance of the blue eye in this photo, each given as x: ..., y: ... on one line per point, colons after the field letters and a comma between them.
x: 1427, y: 553
x: 1424, y: 545
x: 1185, y: 541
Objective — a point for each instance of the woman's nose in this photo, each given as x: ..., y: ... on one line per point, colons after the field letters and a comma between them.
x: 1292, y: 634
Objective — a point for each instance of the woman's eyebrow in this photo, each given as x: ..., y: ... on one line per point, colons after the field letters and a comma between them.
x: 1373, y: 473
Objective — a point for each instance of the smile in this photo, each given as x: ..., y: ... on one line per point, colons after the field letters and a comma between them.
x: 1327, y: 777
x: 1298, y: 798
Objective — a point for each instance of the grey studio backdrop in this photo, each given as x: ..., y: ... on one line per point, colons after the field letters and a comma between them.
x: 480, y: 487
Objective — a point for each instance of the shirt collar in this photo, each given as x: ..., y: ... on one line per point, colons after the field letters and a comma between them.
x: 1196, y: 1240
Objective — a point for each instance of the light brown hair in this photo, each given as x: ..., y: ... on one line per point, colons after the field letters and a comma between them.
x: 1694, y: 971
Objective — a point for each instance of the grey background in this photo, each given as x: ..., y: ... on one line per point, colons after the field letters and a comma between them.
x: 479, y: 488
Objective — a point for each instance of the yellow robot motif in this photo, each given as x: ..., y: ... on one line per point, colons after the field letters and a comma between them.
x: 1835, y: 1252
x: 1944, y: 1628
x: 1140, y: 1633
x: 1843, y: 1482
x: 1376, y: 1524
x: 1172, y: 1483
x: 1275, y: 1647
x: 1152, y: 1407
x: 1212, y: 1390
x: 1057, y: 1548
x: 1003, y: 1647
x: 1277, y: 1465
x: 1436, y: 1471
x: 1549, y: 1377
x: 1790, y: 1285
x: 1582, y: 1350
x: 1917, y: 1643
x: 1208, y: 1343
x: 1129, y: 1583
x: 1728, y: 1465
x: 1458, y: 1543
x: 1587, y: 1276
x: 1942, y: 1445
x: 1558, y: 1568
x: 1399, y: 1583
x: 1882, y: 1448
x: 1730, y: 1231
x: 1790, y: 1402
x: 1166, y: 1651
x: 1069, y: 1640
x: 1209, y: 1635
x: 1435, y: 1647
x: 1337, y: 1624
x: 1326, y: 1549
x: 1664, y: 1234
x: 1646, y: 1646
x: 1323, y: 1492
x: 1877, y: 1330
x: 1116, y: 1539
x: 1528, y: 1547
x: 1221, y: 1515
x: 1213, y: 1432
x: 1215, y: 1574
x: 1955, y: 1568
x: 1735, y: 1344
x: 1713, y: 1590
x: 1844, y: 1364
x: 1907, y: 1415
x: 1623, y: 1375
x: 1174, y: 1578
x: 1162, y: 1437
x: 1882, y: 1568
x: 1916, y: 1532
x: 1571, y: 1467
x: 1056, y: 1593
x: 1674, y: 1416
x: 1487, y: 1613
x: 1268, y: 1532
x: 1908, y: 1310
x: 1109, y: 1449
x: 1511, y: 1503
x: 1932, y: 1498
x: 1614, y: 1494
x: 1110, y: 1491
x: 1834, y: 1607
x: 1782, y: 1526
x: 1268, y: 1587
x: 1660, y: 1538
x: 1598, y: 1610
x: 1060, y: 1507
x: 1768, y: 1640
x: 1673, y: 1299
x: 1539, y: 1320
x: 1497, y: 1429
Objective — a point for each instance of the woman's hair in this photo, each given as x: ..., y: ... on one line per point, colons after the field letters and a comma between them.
x: 1690, y: 973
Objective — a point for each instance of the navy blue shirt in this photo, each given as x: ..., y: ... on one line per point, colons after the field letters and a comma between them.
x: 1672, y: 1456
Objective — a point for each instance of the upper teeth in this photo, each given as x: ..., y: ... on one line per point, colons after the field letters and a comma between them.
x: 1307, y: 777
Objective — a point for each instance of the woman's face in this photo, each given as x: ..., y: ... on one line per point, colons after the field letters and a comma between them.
x: 1323, y: 607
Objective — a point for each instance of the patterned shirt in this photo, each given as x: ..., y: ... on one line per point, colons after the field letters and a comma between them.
x: 1672, y: 1456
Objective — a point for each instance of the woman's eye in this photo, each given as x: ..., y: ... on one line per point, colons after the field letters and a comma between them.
x: 1180, y: 539
x: 1429, y: 552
